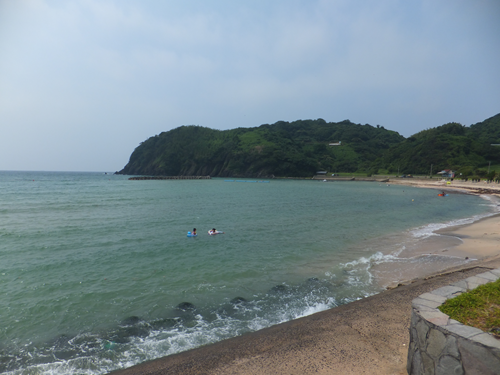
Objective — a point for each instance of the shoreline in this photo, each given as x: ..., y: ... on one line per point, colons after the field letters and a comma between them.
x: 467, y: 187
x: 466, y: 243
x: 472, y: 241
x: 368, y: 336
x: 352, y: 338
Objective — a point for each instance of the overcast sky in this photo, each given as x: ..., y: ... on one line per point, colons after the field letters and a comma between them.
x: 83, y: 82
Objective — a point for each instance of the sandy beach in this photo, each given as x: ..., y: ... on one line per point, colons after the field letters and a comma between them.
x: 468, y: 187
x: 369, y: 336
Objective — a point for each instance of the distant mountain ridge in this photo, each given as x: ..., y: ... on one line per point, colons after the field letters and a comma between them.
x: 301, y: 148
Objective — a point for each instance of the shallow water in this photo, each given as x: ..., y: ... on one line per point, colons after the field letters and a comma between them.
x: 97, y: 272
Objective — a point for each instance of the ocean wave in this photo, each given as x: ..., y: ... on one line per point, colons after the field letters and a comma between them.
x: 430, y: 229
x: 135, y: 340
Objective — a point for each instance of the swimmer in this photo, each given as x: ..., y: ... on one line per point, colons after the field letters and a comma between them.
x: 214, y: 231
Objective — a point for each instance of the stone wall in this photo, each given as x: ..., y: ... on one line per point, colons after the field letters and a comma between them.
x: 442, y: 346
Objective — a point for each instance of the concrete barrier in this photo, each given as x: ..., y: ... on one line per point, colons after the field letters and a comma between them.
x: 442, y: 346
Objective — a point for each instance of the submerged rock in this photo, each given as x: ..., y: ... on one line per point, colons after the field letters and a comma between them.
x: 186, y: 306
x: 278, y: 289
x: 238, y: 300
x: 163, y: 323
x: 131, y: 320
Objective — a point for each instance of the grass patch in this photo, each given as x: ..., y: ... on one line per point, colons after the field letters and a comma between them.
x: 478, y: 308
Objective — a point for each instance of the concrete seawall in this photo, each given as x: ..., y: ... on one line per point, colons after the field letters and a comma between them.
x: 440, y: 345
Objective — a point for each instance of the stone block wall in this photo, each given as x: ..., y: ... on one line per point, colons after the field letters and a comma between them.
x: 442, y: 346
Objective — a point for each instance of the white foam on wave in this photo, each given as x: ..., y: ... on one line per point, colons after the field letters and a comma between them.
x: 160, y: 343
x: 430, y: 229
x: 365, y: 264
x: 377, y: 257
x: 157, y: 344
x: 321, y: 306
x: 358, y: 270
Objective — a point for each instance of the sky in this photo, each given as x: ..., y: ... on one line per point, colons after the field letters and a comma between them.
x: 84, y: 82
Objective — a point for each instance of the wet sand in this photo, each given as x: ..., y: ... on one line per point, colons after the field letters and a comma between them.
x: 451, y: 247
x: 369, y: 336
x: 479, y: 240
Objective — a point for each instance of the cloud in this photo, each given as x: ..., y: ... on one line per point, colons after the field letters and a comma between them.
x: 78, y: 73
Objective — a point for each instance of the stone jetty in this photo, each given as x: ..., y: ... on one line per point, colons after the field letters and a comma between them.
x: 170, y: 178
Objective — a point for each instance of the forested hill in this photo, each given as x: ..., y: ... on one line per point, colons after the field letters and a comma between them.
x: 301, y: 148
x: 466, y: 150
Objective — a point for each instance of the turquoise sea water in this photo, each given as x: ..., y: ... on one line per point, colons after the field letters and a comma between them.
x: 97, y: 273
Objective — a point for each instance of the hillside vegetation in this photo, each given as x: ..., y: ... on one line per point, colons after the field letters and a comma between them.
x: 301, y: 148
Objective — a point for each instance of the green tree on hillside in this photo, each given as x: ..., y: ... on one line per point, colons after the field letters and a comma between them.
x: 300, y: 148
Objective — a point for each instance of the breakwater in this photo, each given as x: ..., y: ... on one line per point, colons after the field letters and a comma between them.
x: 327, y: 178
x: 170, y: 178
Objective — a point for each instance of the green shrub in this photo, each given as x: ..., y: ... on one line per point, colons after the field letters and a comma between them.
x: 478, y: 308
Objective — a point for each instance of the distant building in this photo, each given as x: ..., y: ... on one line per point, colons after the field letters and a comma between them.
x: 321, y: 172
x: 447, y: 173
x: 335, y: 144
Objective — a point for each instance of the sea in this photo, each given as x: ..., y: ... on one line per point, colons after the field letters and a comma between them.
x: 97, y: 272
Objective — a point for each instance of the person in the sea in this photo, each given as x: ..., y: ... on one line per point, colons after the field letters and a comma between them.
x: 214, y: 231
x: 194, y: 231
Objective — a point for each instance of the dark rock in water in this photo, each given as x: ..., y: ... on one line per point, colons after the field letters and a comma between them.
x: 7, y: 362
x: 123, y: 334
x: 238, y: 300
x: 133, y: 326
x: 130, y: 321
x: 117, y: 339
x: 278, y: 289
x: 186, y: 314
x: 66, y: 354
x: 186, y: 306
x: 224, y: 311
x: 60, y: 341
x: 87, y: 342
x: 134, y: 331
x: 315, y: 285
x: 163, y: 323
x: 231, y: 308
x: 62, y: 348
